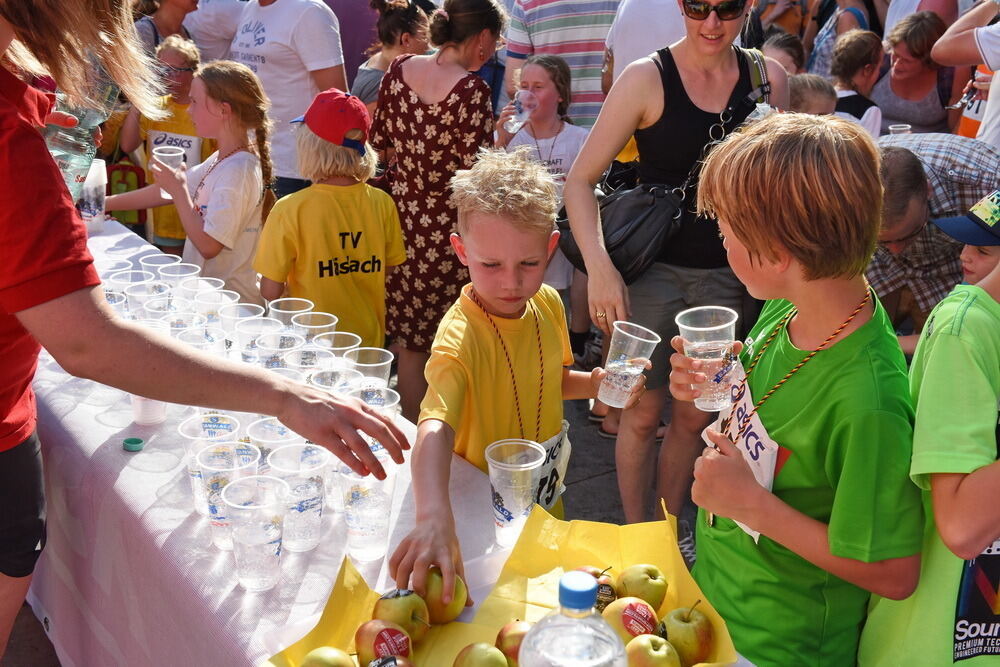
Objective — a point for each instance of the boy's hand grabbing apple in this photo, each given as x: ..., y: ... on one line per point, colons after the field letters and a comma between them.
x: 430, y: 543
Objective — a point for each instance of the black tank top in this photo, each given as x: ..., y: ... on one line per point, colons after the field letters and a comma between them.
x: 671, y: 146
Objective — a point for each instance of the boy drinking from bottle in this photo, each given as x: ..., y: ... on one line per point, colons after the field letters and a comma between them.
x: 499, y: 365
x: 806, y: 507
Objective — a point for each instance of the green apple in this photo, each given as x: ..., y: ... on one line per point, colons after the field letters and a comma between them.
x: 651, y: 651
x: 406, y: 609
x: 327, y: 656
x: 378, y: 639
x: 645, y: 582
x: 630, y: 617
x: 434, y: 590
x: 509, y: 640
x: 690, y: 632
x: 480, y: 654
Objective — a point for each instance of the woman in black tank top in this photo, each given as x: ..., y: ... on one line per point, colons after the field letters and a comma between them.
x: 669, y: 101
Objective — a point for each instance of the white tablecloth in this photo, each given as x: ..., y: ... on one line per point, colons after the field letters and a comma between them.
x: 129, y: 576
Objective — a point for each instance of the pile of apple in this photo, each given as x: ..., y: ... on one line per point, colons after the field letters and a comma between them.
x: 401, y: 618
x: 681, y: 639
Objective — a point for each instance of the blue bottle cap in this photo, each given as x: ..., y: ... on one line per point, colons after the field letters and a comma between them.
x: 133, y: 444
x: 577, y: 590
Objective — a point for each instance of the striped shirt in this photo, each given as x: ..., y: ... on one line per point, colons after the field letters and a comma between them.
x: 574, y: 30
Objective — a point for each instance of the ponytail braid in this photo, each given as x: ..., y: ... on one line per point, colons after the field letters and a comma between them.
x: 266, y: 169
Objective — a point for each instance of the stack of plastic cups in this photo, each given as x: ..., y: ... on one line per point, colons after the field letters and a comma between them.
x: 285, y: 309
x: 374, y: 363
x: 247, y: 332
x: 221, y: 463
x: 256, y: 509
x: 311, y: 324
x: 196, y: 433
x: 304, y: 467
x: 232, y: 313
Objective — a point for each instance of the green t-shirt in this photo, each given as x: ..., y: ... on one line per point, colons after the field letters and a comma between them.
x: 955, y: 382
x: 847, y: 420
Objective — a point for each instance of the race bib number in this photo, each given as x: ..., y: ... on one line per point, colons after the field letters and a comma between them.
x: 551, y: 480
x: 748, y: 432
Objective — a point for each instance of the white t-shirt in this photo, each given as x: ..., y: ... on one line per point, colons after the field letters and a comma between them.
x: 641, y: 27
x: 898, y: 10
x: 557, y: 154
x: 282, y: 43
x: 213, y: 26
x: 230, y: 204
x: 988, y: 41
x: 871, y: 120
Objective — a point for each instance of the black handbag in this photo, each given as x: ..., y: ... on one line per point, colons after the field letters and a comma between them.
x: 637, y: 221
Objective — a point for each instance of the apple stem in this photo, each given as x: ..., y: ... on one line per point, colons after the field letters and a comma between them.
x: 687, y: 617
x: 417, y: 618
x: 605, y: 570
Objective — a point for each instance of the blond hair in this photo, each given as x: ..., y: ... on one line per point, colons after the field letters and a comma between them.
x: 319, y: 159
x: 65, y: 39
x: 235, y: 84
x: 513, y: 186
x: 804, y: 87
x: 183, y: 46
x: 828, y: 212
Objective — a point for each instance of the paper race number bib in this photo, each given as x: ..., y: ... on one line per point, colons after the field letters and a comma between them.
x: 553, y: 472
x: 748, y: 432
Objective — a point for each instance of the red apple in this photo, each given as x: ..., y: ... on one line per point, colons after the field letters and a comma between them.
x: 509, y: 640
x: 630, y: 617
x: 378, y: 639
x: 645, y: 582
x: 480, y: 654
x: 651, y: 651
x: 327, y: 656
x: 606, y: 591
x: 390, y: 661
x: 406, y: 609
x: 439, y: 611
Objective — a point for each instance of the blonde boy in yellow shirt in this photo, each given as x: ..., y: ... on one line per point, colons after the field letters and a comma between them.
x: 334, y: 242
x: 499, y: 365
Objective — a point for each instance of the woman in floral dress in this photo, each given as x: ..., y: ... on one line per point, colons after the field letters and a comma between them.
x: 432, y: 118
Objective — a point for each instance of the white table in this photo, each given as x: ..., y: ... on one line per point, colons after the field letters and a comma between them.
x: 129, y: 576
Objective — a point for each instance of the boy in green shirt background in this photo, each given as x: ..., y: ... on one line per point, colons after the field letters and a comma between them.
x: 812, y: 461
x: 954, y: 615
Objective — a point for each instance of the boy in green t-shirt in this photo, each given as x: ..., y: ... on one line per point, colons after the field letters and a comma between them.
x: 806, y: 505
x: 955, y: 381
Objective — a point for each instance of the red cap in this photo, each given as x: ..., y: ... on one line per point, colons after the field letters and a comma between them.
x: 333, y: 113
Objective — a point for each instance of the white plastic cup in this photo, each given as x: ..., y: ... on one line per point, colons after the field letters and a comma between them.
x: 92, y: 195
x: 177, y: 313
x: 337, y: 381
x: 117, y: 301
x: 304, y: 468
x: 308, y: 359
x: 630, y: 349
x: 374, y: 364
x: 384, y: 401
x: 256, y: 509
x: 188, y: 288
x: 367, y: 507
x: 285, y: 309
x: 197, y: 432
x: 709, y: 333
x: 232, y: 313
x: 155, y: 261
x: 248, y: 330
x: 900, y: 128
x: 525, y: 103
x: 209, y: 302
x: 175, y: 273
x: 309, y: 325
x: 272, y: 347
x: 514, y: 468
x: 221, y: 463
x: 138, y: 294
x: 208, y: 339
x: 267, y: 434
x: 119, y: 280
x: 170, y: 156
x: 338, y: 342
x: 148, y: 411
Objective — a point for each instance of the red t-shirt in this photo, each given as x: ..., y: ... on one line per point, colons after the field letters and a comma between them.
x: 43, y: 247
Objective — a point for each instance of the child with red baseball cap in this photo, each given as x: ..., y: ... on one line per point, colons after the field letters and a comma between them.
x: 335, y: 241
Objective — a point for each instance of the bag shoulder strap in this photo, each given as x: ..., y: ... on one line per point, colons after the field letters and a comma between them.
x: 859, y: 16
x: 758, y: 75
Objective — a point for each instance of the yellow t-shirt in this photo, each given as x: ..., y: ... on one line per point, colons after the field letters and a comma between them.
x: 331, y: 244
x: 177, y: 129
x: 469, y: 383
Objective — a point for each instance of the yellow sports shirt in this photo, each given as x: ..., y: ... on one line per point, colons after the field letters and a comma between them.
x: 469, y: 382
x: 331, y: 244
x: 177, y: 129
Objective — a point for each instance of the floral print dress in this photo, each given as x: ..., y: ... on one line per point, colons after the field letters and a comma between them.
x: 431, y: 142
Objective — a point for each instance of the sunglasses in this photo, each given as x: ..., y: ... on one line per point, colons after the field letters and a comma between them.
x: 170, y: 69
x: 726, y: 11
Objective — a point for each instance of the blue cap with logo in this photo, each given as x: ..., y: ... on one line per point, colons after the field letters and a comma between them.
x: 980, y: 226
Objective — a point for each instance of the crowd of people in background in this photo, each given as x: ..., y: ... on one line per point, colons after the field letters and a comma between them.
x: 352, y: 154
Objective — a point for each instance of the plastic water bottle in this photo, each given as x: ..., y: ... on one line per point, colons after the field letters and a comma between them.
x: 73, y: 148
x: 573, y: 635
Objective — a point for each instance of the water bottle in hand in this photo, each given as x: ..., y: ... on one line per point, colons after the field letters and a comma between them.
x: 524, y: 103
x: 574, y: 635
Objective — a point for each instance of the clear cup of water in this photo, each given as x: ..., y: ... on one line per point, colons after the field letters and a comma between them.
x: 256, y: 508
x: 304, y: 468
x: 514, y: 468
x: 709, y: 333
x: 367, y: 506
x: 630, y: 349
x: 197, y: 432
x: 169, y: 156
x: 524, y: 103
x: 221, y: 463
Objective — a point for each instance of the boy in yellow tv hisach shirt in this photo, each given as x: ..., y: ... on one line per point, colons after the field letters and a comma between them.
x: 499, y: 365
